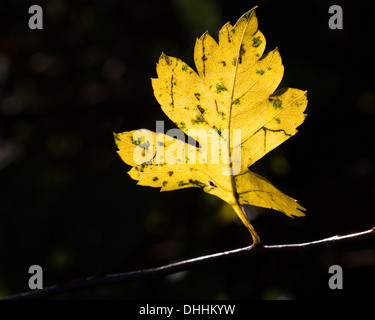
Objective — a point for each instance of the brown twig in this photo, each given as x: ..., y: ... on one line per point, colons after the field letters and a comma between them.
x: 170, y: 268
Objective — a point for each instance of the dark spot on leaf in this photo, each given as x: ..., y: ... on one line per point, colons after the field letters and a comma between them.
x: 182, y: 183
x: 220, y: 88
x: 237, y: 101
x: 143, y: 166
x: 212, y: 184
x: 172, y: 97
x: 247, y: 15
x: 196, y: 183
x: 256, y: 42
x: 184, y: 67
x: 277, y: 104
x: 204, y: 56
x: 155, y: 179
x: 170, y: 173
x: 229, y: 36
x: 198, y: 120
x: 222, y: 115
x: 145, y: 145
x: 182, y: 125
x: 261, y: 72
x: 219, y: 131
x: 242, y: 52
x: 135, y: 142
x: 202, y: 110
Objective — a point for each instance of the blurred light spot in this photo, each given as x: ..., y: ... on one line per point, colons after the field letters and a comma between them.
x: 280, y: 165
x: 95, y: 238
x: 178, y: 276
x: 163, y: 251
x: 113, y: 69
x: 87, y: 18
x: 372, y: 194
x: 12, y: 105
x: 94, y: 93
x: 252, y: 212
x: 21, y: 131
x: 4, y: 69
x: 156, y: 222
x: 24, y: 87
x: 54, y: 177
x: 358, y: 258
x: 199, y: 15
x: 91, y: 56
x: 226, y: 214
x: 55, y: 8
x: 8, y: 152
x: 363, y: 167
x: 63, y: 145
x: 101, y: 157
x: 277, y: 294
x: 366, y: 102
x: 40, y: 62
x: 60, y: 259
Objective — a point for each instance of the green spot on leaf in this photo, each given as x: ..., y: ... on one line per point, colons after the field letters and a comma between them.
x: 164, y: 183
x: 220, y: 88
x: 145, y: 145
x: 197, y: 183
x: 277, y: 104
x: 219, y: 131
x: 202, y: 110
x: 198, y: 120
x: 135, y: 142
x: 237, y: 101
x: 184, y: 67
x: 247, y: 15
x: 242, y: 49
x: 277, y: 120
x: 181, y: 184
x: 182, y: 125
x: 155, y: 179
x: 222, y: 115
x: 256, y: 42
x: 261, y: 72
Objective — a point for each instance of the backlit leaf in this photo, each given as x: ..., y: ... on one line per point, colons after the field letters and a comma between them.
x: 230, y: 107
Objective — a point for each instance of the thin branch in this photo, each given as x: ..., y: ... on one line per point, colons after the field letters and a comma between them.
x: 168, y: 269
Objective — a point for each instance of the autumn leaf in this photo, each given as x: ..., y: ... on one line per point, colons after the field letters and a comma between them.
x: 230, y: 107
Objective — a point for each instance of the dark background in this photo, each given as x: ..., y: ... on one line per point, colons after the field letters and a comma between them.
x: 68, y: 205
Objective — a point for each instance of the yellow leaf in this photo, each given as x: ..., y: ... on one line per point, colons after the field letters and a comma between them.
x: 230, y: 107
